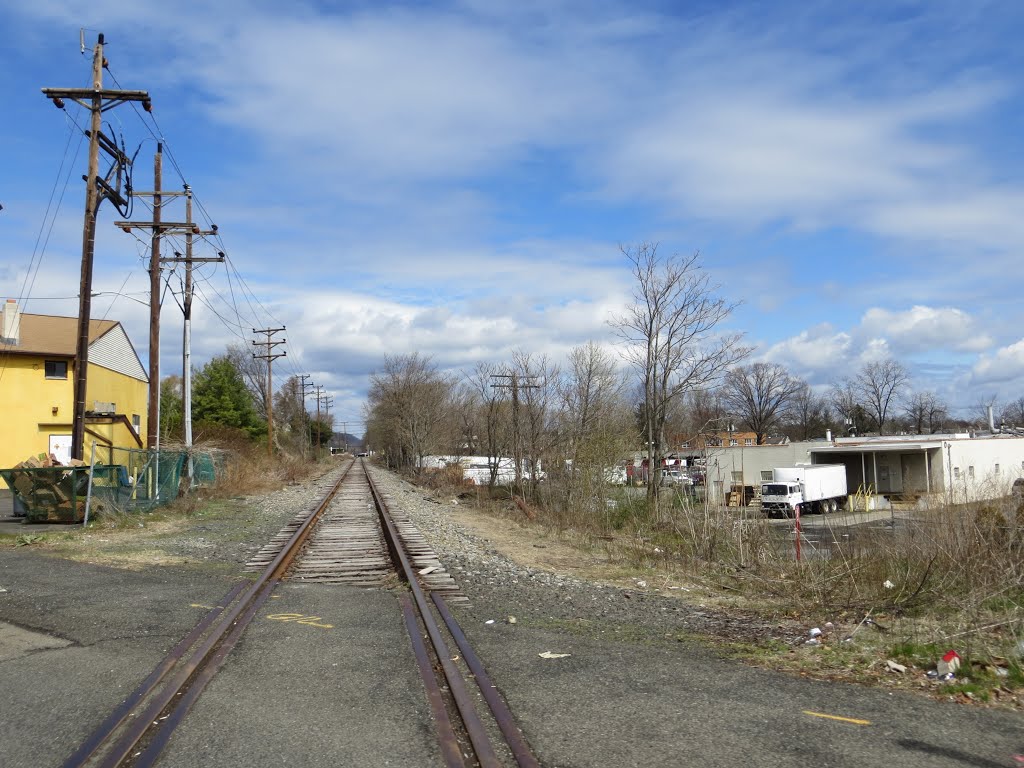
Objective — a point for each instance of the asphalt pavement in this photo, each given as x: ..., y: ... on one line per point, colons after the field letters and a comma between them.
x: 324, y: 676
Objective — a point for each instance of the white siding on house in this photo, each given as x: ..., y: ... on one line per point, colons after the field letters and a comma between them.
x: 113, y: 350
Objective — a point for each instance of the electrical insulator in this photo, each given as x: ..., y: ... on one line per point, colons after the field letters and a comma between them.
x: 147, y: 105
x: 58, y: 102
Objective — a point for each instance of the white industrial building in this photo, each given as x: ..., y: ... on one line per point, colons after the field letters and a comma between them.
x: 953, y: 468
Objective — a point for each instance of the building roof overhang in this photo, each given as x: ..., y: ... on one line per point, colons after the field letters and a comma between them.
x: 893, y: 447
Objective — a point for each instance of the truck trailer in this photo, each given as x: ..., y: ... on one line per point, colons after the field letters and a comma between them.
x: 803, y: 489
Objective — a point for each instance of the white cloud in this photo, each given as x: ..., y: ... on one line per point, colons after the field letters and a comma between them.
x: 431, y: 171
x: 781, y: 146
x: 818, y: 349
x: 918, y: 337
x: 397, y: 94
x: 1005, y: 366
x: 363, y: 328
x: 923, y: 329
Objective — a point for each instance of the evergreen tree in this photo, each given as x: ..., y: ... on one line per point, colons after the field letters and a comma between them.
x: 220, y: 396
x: 171, y: 408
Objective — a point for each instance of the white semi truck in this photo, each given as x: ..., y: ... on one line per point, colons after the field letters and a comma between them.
x: 803, y: 489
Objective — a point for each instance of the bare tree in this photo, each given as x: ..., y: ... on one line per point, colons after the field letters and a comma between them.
x: 495, y: 438
x: 290, y: 418
x: 591, y: 394
x: 925, y: 412
x: 594, y: 425
x: 536, y: 399
x: 808, y: 414
x: 466, y: 434
x: 702, y: 409
x: 878, y: 386
x: 981, y: 409
x: 1013, y: 414
x: 408, y: 408
x: 254, y: 374
x: 672, y: 338
x: 846, y: 400
x: 758, y: 395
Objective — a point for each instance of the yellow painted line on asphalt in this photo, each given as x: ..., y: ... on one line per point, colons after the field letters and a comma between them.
x: 200, y: 605
x: 852, y: 720
x: 299, y: 618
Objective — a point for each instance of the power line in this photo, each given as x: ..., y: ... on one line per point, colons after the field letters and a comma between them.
x: 152, y: 125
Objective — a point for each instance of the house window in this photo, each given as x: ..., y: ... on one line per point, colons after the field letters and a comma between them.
x: 956, y: 473
x: 732, y: 441
x: 766, y: 476
x: 748, y: 441
x: 56, y: 369
x: 136, y: 422
x: 997, y: 469
x: 970, y: 471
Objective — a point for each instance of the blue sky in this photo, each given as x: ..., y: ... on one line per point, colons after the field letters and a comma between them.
x: 457, y: 178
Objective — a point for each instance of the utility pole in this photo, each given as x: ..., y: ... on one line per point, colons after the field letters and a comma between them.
x: 319, y: 398
x: 328, y: 402
x: 158, y: 227
x: 515, y: 383
x: 270, y: 357
x: 97, y: 189
x: 186, y: 307
x: 305, y: 413
x: 153, y: 420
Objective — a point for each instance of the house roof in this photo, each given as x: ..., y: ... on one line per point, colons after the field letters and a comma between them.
x: 52, y: 335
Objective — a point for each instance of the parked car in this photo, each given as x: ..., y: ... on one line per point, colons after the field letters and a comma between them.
x: 615, y: 475
x: 674, y: 477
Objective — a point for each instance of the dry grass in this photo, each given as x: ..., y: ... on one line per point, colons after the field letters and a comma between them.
x: 947, y: 577
x: 253, y: 471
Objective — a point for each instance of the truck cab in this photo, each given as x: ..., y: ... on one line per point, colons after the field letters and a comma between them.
x: 804, y: 488
x: 781, y: 498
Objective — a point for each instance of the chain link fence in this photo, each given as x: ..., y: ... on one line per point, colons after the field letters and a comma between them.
x: 135, y: 480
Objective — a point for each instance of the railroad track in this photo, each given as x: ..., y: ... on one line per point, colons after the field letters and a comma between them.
x: 349, y: 546
x: 351, y: 537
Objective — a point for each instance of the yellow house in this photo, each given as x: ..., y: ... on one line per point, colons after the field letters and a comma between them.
x: 37, y: 382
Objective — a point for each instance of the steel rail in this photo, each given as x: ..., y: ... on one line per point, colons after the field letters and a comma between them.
x: 202, y: 678
x: 237, y: 617
x: 485, y: 754
x: 499, y: 708
x: 451, y: 751
x: 456, y: 685
x: 108, y: 726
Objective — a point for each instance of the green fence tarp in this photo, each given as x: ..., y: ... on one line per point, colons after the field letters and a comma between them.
x: 134, y: 481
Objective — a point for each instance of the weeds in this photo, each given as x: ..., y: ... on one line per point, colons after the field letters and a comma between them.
x: 949, y: 576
